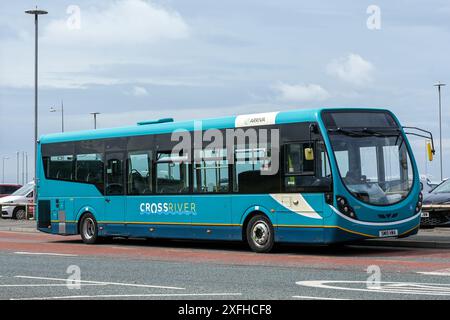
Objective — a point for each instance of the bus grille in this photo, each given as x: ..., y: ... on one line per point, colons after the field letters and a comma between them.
x: 44, y: 214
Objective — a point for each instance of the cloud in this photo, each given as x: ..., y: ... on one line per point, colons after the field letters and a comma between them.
x: 299, y: 92
x: 139, y: 92
x: 122, y: 22
x: 112, y: 33
x: 353, y: 69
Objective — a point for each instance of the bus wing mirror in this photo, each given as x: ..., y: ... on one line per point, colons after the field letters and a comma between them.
x: 309, y: 154
x: 423, y: 134
x: 430, y: 151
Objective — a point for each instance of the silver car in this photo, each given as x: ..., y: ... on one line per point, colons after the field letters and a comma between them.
x: 22, y: 196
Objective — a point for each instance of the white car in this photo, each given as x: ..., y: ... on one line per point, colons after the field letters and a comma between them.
x: 21, y: 196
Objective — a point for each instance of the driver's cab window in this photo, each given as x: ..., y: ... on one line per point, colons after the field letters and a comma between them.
x: 307, y: 167
x: 30, y: 195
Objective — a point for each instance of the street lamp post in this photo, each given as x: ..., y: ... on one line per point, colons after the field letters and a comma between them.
x: 62, y: 114
x: 439, y: 85
x: 23, y: 167
x: 36, y: 12
x: 95, y: 118
x: 17, y: 165
x: 3, y: 168
x: 26, y: 167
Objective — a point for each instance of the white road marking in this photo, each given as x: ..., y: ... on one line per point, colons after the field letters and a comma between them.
x: 431, y: 289
x: 131, y: 296
x: 47, y: 254
x: 46, y: 285
x: 104, y: 283
x: 443, y: 272
x: 316, y: 298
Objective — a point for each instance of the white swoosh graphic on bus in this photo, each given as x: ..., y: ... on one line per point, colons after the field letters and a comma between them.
x: 296, y: 203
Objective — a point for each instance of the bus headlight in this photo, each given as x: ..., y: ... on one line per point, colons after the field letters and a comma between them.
x: 345, y: 208
x: 419, y: 203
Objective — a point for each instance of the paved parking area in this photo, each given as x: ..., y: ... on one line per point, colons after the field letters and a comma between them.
x: 48, y: 275
x: 18, y: 225
x: 35, y: 265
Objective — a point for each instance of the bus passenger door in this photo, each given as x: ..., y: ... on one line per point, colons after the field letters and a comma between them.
x: 115, y: 194
x: 211, y: 218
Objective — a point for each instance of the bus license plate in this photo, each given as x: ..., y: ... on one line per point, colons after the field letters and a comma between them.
x: 425, y: 214
x: 388, y: 233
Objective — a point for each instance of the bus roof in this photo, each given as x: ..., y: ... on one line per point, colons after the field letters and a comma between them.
x: 168, y: 126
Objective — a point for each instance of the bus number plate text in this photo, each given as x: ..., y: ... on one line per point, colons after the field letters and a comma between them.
x: 388, y: 233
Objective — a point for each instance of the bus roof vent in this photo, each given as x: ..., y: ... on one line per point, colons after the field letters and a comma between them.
x: 146, y: 122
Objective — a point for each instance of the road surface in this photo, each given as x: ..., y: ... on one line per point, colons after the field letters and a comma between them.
x: 41, y: 266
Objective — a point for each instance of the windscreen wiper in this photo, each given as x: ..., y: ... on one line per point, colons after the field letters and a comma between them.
x: 383, y: 133
x: 349, y: 132
x: 366, y: 132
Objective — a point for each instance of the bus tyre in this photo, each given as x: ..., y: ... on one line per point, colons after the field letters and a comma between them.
x: 19, y: 213
x: 260, y: 234
x: 89, y: 229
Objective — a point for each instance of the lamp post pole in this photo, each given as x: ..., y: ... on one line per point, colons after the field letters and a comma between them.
x: 439, y: 85
x: 36, y: 12
x: 3, y: 168
x: 95, y: 118
x: 62, y: 114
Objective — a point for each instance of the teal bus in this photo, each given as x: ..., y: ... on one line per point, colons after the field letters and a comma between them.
x: 322, y: 176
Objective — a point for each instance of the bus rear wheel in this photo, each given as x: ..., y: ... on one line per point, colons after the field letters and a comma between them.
x: 260, y: 234
x: 89, y: 229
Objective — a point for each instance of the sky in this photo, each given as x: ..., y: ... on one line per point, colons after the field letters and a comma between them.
x: 133, y: 60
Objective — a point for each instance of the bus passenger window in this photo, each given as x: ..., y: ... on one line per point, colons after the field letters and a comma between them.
x: 89, y: 168
x: 139, y: 173
x: 58, y: 167
x: 172, y: 174
x: 211, y: 173
x: 247, y: 168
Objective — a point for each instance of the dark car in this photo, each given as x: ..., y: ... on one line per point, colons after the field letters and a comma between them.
x: 8, y: 189
x: 436, y: 206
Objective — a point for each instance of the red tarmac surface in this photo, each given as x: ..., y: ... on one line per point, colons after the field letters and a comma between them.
x: 347, y: 258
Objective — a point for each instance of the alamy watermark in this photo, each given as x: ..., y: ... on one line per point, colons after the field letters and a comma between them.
x: 374, y: 279
x: 73, y: 22
x: 247, y: 145
x: 74, y: 279
x: 373, y: 22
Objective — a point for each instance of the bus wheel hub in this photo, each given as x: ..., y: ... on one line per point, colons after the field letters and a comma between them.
x: 260, y: 233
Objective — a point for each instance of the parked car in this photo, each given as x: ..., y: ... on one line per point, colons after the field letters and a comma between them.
x: 8, y: 189
x: 427, y: 184
x: 20, y: 196
x: 437, y: 216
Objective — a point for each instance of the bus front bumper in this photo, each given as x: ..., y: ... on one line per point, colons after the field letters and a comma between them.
x: 339, y: 228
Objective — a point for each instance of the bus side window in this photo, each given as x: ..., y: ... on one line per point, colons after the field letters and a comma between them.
x: 172, y: 174
x: 139, y: 172
x: 211, y: 173
x: 248, y: 164
x: 58, y: 167
x: 89, y: 169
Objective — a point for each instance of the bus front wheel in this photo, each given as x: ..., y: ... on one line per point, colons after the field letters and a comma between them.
x: 89, y: 229
x: 260, y: 235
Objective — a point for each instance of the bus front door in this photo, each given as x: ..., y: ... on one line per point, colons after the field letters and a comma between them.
x: 114, y: 216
